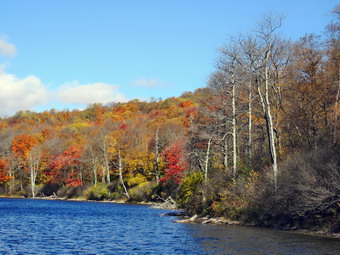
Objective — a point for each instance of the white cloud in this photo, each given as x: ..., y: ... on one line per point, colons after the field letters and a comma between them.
x: 84, y: 94
x: 20, y: 94
x: 148, y: 83
x: 6, y: 48
x: 30, y: 93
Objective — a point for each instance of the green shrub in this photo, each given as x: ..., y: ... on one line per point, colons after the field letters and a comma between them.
x: 142, y: 192
x: 190, y: 195
x: 98, y: 192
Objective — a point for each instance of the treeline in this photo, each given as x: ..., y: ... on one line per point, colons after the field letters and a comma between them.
x: 260, y: 143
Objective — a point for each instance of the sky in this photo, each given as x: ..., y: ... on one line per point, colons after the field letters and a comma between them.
x: 67, y: 54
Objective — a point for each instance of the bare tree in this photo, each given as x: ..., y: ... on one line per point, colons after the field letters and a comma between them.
x: 157, y: 154
x: 266, y: 31
x: 34, y: 163
x: 228, y: 64
x: 120, y: 172
x: 250, y: 61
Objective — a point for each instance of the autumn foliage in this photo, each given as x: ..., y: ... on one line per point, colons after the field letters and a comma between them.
x: 23, y: 144
x: 4, y: 174
x: 175, y: 163
x: 208, y: 148
x: 64, y: 168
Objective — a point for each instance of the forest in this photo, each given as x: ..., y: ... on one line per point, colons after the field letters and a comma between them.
x: 260, y: 143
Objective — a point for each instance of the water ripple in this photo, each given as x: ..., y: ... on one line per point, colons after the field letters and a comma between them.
x: 63, y: 227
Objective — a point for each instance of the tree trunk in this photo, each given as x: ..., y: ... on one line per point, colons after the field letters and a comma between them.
x: 106, y: 163
x: 269, y: 120
x: 12, y: 174
x: 225, y: 154
x: 206, y: 165
x: 250, y: 151
x: 336, y: 111
x: 234, y: 125
x: 157, y: 155
x: 94, y: 162
x: 120, y: 168
x: 107, y: 167
x: 103, y: 175
x: 33, y: 165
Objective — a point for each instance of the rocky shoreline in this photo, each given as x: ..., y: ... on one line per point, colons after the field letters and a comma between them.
x: 224, y: 221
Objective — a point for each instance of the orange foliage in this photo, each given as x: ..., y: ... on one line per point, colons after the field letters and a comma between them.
x: 4, y: 177
x: 186, y: 104
x: 23, y: 144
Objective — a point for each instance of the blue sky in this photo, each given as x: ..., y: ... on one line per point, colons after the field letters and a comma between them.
x: 67, y: 54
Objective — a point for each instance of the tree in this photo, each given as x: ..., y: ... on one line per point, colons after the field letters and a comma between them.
x: 4, y: 174
x: 250, y: 61
x: 176, y: 163
x: 65, y: 168
x: 333, y: 66
x: 266, y: 32
x: 229, y: 62
x: 22, y: 147
x: 34, y: 166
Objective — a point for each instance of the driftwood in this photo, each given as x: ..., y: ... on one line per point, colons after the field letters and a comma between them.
x: 190, y: 220
x: 167, y: 204
x: 205, y: 220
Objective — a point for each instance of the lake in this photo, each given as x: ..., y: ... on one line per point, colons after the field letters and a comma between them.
x: 67, y: 227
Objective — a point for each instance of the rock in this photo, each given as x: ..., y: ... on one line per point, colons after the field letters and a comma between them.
x: 233, y: 222
x: 173, y: 214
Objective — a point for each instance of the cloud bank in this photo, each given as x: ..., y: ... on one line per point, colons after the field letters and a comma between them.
x: 20, y: 94
x: 28, y: 93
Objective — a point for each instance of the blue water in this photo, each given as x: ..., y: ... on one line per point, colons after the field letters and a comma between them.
x: 65, y: 227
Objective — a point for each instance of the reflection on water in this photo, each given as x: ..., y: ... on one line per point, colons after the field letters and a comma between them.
x: 250, y: 240
x: 60, y: 227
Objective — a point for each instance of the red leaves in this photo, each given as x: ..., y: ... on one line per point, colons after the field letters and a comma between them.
x: 68, y: 158
x: 73, y: 179
x: 63, y: 163
x: 123, y: 126
x: 176, y: 164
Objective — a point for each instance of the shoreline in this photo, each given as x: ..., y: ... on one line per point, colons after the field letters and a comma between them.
x: 121, y: 201
x: 183, y: 218
x: 227, y: 222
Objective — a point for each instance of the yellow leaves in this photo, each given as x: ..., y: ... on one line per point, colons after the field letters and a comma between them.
x: 112, y: 141
x: 140, y: 161
x: 251, y: 180
x: 116, y: 117
x: 258, y: 120
x: 253, y: 174
x: 78, y: 126
x: 138, y: 179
